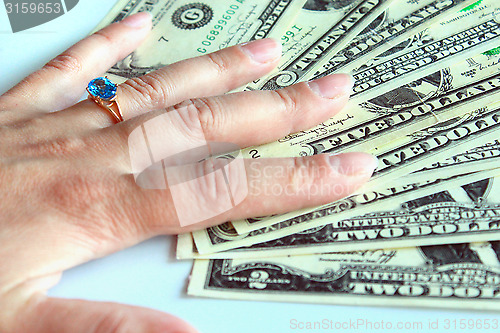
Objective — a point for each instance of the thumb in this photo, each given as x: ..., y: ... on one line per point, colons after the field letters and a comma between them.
x: 48, y: 315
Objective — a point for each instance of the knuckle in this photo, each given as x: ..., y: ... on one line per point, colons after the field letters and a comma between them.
x: 200, y: 185
x: 202, y: 114
x: 103, y: 37
x: 210, y: 115
x: 220, y: 61
x: 185, y: 117
x: 210, y: 185
x: 66, y: 62
x: 303, y: 175
x: 237, y: 177
x: 150, y: 88
x: 288, y: 102
x: 116, y: 323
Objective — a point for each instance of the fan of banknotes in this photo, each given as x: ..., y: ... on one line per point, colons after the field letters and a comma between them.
x: 425, y: 231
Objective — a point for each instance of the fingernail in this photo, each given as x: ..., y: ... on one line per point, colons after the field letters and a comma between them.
x: 262, y: 50
x: 332, y: 86
x: 137, y: 20
x: 353, y: 164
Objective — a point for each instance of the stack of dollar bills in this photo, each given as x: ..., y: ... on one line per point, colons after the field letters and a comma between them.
x: 425, y: 231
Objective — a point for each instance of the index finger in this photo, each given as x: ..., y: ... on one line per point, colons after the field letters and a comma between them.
x: 62, y: 81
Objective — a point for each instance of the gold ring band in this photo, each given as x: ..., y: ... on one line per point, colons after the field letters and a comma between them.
x: 111, y: 106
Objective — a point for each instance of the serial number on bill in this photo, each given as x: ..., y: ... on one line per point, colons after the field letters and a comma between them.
x: 33, y: 7
x: 217, y: 28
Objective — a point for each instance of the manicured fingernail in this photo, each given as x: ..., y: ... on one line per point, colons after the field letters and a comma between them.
x: 137, y: 20
x: 332, y: 86
x: 262, y: 50
x: 353, y: 164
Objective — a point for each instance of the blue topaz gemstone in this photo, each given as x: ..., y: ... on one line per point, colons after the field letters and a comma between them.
x: 102, y: 88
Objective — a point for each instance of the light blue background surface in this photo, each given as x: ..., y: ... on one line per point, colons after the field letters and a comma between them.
x: 148, y: 274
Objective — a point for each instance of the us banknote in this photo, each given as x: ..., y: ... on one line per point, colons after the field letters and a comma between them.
x: 184, y: 29
x: 438, y: 97
x: 321, y: 30
x: 224, y: 237
x: 483, y: 157
x: 428, y: 100
x: 400, y: 21
x: 457, y: 37
x: 463, y: 276
x: 470, y: 212
x: 486, y: 156
x: 417, y: 150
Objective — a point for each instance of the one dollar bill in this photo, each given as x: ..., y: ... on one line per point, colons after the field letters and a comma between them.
x: 400, y: 21
x: 183, y: 29
x: 319, y: 32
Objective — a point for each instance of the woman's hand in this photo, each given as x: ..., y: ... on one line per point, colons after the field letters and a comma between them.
x: 69, y: 176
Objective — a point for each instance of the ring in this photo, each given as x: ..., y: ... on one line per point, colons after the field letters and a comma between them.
x: 102, y: 91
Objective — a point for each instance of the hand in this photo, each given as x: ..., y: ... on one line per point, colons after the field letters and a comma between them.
x: 69, y: 179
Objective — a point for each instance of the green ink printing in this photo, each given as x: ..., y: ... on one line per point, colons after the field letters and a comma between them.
x: 472, y: 6
x: 492, y: 52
